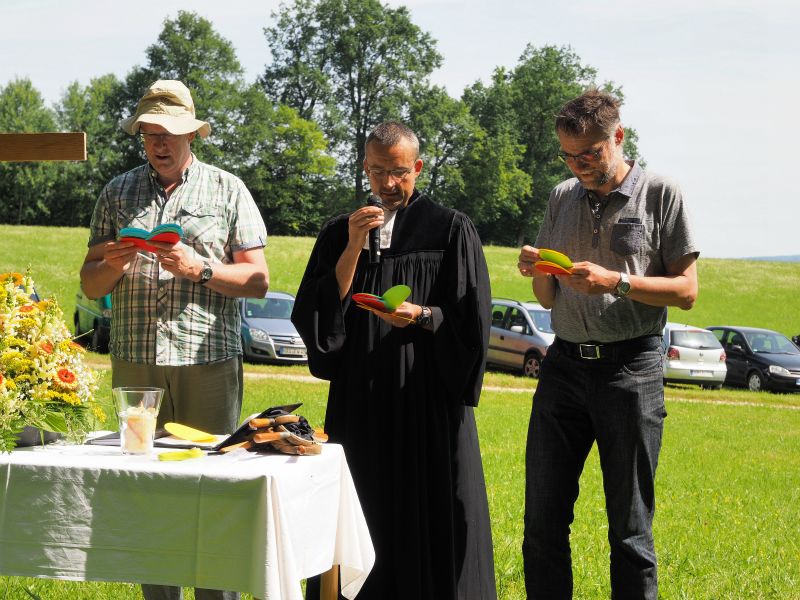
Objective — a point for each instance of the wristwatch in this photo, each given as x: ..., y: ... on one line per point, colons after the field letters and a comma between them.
x: 623, y: 285
x: 206, y: 274
x: 424, y: 319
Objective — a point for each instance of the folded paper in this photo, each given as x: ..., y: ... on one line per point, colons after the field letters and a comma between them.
x: 388, y: 302
x: 170, y: 233
x: 553, y: 262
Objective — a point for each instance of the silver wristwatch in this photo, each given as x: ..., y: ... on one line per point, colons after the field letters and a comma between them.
x: 623, y: 285
x: 424, y: 319
x: 206, y: 274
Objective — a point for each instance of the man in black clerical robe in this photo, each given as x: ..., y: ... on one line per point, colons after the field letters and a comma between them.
x: 403, y: 385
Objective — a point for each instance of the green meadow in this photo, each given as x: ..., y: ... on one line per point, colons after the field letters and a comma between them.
x: 728, y: 487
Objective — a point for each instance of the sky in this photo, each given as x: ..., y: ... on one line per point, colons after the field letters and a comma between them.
x: 711, y: 86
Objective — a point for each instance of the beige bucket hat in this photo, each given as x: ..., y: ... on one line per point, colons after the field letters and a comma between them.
x: 168, y: 103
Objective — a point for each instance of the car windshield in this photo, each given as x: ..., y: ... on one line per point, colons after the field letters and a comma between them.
x: 770, y: 342
x: 699, y: 340
x: 269, y: 308
x: 541, y: 318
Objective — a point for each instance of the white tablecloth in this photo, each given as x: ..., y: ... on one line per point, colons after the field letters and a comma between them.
x: 248, y: 522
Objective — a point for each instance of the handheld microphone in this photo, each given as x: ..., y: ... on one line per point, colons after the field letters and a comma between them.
x: 374, y: 234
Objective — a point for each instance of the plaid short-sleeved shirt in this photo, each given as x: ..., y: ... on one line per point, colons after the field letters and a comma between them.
x: 159, y: 319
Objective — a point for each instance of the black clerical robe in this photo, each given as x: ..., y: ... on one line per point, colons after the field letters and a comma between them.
x: 400, y: 400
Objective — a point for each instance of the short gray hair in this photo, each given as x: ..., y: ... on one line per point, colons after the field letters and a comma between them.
x: 391, y: 133
x: 592, y: 111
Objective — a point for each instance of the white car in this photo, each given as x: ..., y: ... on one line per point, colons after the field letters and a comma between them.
x: 693, y: 355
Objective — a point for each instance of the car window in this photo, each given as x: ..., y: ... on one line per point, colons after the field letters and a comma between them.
x: 269, y: 308
x: 498, y: 314
x: 769, y: 342
x: 541, y: 320
x: 699, y: 340
x: 736, y: 339
x: 719, y: 334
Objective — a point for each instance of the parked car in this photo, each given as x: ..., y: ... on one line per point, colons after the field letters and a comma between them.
x: 267, y: 333
x: 693, y: 355
x: 759, y: 358
x: 520, y: 336
x: 93, y: 315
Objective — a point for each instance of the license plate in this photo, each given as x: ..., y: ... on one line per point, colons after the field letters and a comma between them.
x: 700, y: 373
x: 293, y: 351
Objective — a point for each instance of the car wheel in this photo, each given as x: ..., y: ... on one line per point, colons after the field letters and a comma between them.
x: 532, y: 366
x: 99, y: 339
x: 755, y: 382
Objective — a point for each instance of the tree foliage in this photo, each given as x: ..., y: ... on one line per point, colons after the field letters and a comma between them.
x: 519, y: 109
x: 348, y: 64
x: 296, y: 134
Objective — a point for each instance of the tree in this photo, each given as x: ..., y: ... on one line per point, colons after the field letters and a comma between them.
x: 349, y: 64
x: 92, y: 110
x: 25, y: 188
x: 446, y: 131
x: 520, y: 107
x: 280, y: 156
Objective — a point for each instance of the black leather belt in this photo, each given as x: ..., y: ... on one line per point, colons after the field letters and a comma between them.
x: 611, y: 350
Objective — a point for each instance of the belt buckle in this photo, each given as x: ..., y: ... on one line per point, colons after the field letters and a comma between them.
x: 589, y: 351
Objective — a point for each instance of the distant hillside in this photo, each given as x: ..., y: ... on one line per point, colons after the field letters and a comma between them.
x: 732, y: 291
x: 794, y: 258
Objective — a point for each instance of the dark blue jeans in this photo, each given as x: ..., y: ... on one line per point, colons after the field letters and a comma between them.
x: 618, y: 402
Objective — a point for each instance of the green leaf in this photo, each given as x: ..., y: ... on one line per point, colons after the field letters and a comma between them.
x: 55, y: 422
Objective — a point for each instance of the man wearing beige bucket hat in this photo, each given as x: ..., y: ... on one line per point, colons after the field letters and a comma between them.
x: 175, y: 320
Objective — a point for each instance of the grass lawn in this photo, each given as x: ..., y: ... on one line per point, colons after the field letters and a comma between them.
x: 728, y: 486
x: 728, y: 491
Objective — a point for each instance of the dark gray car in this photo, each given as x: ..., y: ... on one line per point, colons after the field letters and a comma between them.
x: 267, y: 333
x: 759, y: 358
x: 520, y: 336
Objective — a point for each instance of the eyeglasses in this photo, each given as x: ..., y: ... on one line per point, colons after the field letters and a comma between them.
x: 398, y: 174
x: 152, y: 138
x: 589, y: 156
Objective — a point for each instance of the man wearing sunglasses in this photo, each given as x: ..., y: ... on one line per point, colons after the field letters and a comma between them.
x: 628, y: 234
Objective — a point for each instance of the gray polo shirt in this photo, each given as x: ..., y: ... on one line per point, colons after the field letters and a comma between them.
x: 643, y: 227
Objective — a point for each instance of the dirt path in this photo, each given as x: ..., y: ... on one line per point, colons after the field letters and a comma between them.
x: 508, y: 390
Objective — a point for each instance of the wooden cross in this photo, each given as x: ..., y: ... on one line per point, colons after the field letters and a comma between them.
x: 21, y: 147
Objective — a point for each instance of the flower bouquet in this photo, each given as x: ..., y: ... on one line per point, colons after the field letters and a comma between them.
x: 44, y: 382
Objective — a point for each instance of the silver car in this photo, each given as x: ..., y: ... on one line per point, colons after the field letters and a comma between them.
x: 520, y: 336
x: 693, y: 355
x: 267, y: 333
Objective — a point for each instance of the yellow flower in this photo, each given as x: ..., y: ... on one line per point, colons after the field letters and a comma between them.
x: 16, y: 278
x: 42, y: 374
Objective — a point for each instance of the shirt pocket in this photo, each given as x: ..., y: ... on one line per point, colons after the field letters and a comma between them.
x: 134, y: 216
x: 200, y: 225
x: 627, y: 238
